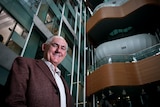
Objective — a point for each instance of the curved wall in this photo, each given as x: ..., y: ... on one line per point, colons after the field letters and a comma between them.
x: 120, y: 11
x: 128, y: 45
x: 124, y: 74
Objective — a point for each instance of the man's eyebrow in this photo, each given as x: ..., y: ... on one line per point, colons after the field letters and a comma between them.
x: 57, y: 44
x: 64, y: 46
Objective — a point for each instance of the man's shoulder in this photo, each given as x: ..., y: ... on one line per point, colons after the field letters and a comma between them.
x: 23, y: 58
x: 26, y: 59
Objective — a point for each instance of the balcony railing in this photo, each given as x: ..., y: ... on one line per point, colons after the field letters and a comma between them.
x: 111, y: 3
x: 128, y: 58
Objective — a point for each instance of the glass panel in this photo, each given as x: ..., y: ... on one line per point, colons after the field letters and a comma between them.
x: 7, y: 28
x: 69, y: 38
x: 15, y: 47
x: 71, y: 19
x: 52, y: 22
x: 19, y: 29
x: 7, y: 24
x: 24, y: 34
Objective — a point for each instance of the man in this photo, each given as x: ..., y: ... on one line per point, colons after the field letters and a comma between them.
x: 38, y: 83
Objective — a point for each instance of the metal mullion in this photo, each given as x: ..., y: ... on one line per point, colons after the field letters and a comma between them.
x: 60, y: 26
x: 73, y: 55
x: 79, y: 52
x: 30, y: 31
x: 84, y: 91
x: 94, y: 100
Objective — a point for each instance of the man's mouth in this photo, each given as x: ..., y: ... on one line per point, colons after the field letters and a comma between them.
x: 56, y: 55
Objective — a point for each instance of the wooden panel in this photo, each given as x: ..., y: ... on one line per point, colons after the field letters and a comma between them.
x: 149, y: 69
x: 112, y: 75
x: 124, y: 74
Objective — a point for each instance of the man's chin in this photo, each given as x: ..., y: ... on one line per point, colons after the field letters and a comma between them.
x: 55, y: 62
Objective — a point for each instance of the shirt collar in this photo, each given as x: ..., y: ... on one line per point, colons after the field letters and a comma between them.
x: 52, y: 67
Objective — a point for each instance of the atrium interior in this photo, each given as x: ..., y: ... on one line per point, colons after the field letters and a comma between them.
x: 114, y: 46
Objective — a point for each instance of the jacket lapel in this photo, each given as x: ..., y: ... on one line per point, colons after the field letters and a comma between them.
x: 46, y: 71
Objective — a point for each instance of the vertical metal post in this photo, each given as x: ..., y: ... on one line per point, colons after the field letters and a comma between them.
x: 84, y: 79
x: 93, y: 58
x: 94, y: 101
x: 60, y: 26
x: 79, y: 54
x: 73, y: 57
x: 72, y: 73
x: 30, y: 31
x: 158, y: 35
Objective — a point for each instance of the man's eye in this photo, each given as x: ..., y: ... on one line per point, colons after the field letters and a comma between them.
x: 54, y: 45
x: 63, y: 48
x: 57, y: 45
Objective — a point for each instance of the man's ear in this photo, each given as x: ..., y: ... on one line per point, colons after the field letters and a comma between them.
x: 43, y: 46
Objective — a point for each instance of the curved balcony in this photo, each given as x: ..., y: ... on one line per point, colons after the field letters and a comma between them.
x: 126, y: 58
x: 111, y: 3
x: 133, y: 17
x: 125, y: 70
x: 124, y: 74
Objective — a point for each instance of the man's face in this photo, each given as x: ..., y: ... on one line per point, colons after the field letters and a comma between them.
x: 55, y: 51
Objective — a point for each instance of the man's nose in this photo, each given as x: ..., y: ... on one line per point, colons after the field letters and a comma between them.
x: 58, y: 49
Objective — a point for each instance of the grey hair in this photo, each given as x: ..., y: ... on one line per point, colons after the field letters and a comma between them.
x: 49, y: 40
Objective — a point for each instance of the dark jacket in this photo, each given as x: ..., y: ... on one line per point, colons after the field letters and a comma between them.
x: 31, y: 84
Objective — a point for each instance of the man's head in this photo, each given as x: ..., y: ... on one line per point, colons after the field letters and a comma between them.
x: 55, y: 49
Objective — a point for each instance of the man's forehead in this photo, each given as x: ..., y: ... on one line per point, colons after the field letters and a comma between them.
x: 60, y: 42
x: 57, y: 40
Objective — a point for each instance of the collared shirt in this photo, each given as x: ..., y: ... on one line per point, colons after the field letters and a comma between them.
x: 56, y: 74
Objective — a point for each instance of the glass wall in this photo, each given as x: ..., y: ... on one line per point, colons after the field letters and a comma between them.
x: 63, y: 17
x: 52, y: 22
x: 13, y: 33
